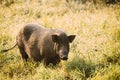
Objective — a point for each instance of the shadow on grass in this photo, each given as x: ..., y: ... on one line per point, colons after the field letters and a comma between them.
x: 82, y: 68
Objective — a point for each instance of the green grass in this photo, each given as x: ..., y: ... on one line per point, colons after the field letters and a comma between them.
x: 94, y: 54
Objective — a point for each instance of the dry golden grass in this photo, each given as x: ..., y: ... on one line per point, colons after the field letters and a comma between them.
x: 94, y: 55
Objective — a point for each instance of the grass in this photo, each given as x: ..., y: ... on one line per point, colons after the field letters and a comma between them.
x: 94, y: 54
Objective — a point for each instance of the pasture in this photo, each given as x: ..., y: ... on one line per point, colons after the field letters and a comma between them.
x: 94, y: 54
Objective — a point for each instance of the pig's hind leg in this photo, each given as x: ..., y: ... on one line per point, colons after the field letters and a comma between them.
x: 23, y: 53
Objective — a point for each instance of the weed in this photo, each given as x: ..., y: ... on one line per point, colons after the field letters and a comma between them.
x: 94, y: 54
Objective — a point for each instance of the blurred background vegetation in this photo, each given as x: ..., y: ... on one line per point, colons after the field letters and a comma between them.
x: 95, y: 53
x: 9, y: 2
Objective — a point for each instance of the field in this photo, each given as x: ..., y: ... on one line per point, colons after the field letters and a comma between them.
x: 94, y: 54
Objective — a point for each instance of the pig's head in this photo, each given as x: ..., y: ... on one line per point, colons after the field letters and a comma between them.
x: 61, y: 44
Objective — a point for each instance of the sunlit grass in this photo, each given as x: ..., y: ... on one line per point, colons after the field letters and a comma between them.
x: 94, y: 54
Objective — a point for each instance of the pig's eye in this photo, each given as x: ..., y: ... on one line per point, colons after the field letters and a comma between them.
x: 59, y: 45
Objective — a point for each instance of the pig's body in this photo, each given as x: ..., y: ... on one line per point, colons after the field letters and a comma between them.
x: 43, y: 44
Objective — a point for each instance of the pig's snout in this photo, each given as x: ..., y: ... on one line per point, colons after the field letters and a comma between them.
x: 64, y: 56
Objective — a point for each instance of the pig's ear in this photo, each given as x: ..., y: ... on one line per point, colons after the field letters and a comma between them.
x: 71, y: 38
x: 55, y: 38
